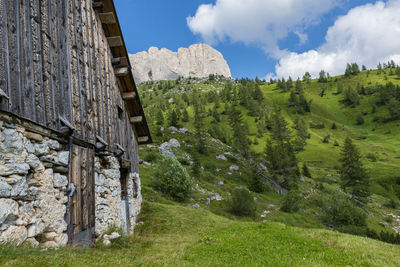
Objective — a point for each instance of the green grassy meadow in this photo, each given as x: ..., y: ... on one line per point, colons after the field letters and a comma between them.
x: 176, y: 234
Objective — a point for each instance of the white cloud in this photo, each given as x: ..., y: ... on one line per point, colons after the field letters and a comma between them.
x: 259, y: 22
x: 366, y: 34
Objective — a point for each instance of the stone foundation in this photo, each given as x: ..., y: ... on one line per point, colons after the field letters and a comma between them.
x: 34, y: 188
x: 33, y: 184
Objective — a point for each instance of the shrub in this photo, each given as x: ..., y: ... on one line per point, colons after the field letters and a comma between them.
x: 393, y: 204
x: 291, y: 202
x: 257, y: 183
x: 171, y: 178
x: 242, y: 203
x: 208, y: 176
x: 372, y: 157
x: 336, y: 143
x: 316, y: 125
x: 306, y: 171
x: 151, y: 156
x: 326, y: 139
x: 359, y: 119
x: 183, y: 161
x: 354, y: 230
x: 387, y: 237
x: 210, y: 165
x: 339, y: 211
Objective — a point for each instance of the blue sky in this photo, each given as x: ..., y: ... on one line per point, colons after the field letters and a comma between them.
x: 163, y: 23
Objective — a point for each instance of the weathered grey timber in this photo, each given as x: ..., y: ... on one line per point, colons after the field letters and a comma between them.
x: 68, y: 97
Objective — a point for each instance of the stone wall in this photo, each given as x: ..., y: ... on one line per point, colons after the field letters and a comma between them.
x: 33, y: 186
x: 34, y: 189
x: 135, y: 198
x: 110, y: 208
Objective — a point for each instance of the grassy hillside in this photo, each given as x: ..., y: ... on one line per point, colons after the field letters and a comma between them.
x: 376, y: 137
x: 203, y: 231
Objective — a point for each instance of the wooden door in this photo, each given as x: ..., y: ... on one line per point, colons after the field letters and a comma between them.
x: 82, y: 201
x: 124, y: 203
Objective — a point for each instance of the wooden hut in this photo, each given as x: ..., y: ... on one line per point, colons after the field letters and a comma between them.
x: 71, y: 121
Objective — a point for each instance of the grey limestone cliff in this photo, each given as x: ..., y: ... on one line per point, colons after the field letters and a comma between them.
x: 199, y: 60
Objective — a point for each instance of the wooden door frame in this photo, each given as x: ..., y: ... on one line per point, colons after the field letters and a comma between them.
x: 90, y: 187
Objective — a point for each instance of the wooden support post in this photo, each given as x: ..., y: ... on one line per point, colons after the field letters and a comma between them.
x: 114, y: 41
x: 143, y: 139
x: 125, y: 164
x: 107, y: 18
x: 128, y: 95
x: 136, y: 119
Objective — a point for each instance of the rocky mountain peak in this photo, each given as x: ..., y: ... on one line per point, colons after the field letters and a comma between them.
x: 199, y: 60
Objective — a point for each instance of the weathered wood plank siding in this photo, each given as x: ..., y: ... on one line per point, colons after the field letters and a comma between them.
x: 56, y: 62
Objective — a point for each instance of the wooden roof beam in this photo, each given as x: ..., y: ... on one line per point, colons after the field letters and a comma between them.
x: 101, y: 144
x: 122, y: 71
x: 143, y: 139
x: 97, y: 5
x: 136, y: 119
x: 107, y: 18
x: 114, y: 41
x: 120, y: 62
x: 128, y: 95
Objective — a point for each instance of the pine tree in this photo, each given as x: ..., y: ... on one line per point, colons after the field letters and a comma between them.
x: 289, y: 83
x: 355, y: 69
x: 351, y: 97
x: 178, y: 112
x: 303, y: 103
x: 159, y: 118
x: 394, y: 109
x: 299, y: 86
x: 173, y: 118
x: 198, y: 124
x: 279, y: 152
x: 307, y: 77
x: 301, y: 134
x: 185, y: 115
x: 352, y: 172
x: 258, y: 95
x: 306, y: 171
x: 215, y: 114
x: 240, y: 140
x: 257, y: 182
x: 348, y: 71
x: 322, y: 77
x: 293, y: 99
